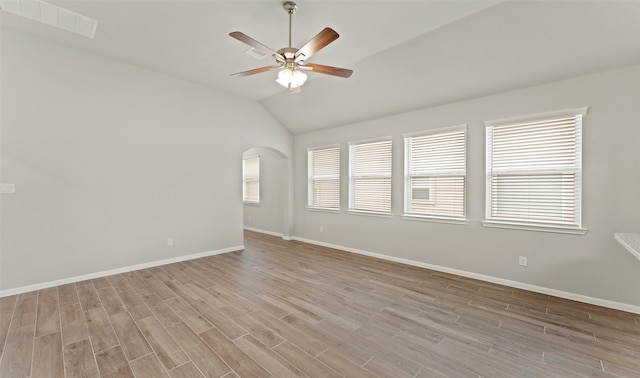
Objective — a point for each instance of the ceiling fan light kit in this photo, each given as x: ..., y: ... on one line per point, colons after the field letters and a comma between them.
x: 291, y: 60
x: 291, y: 78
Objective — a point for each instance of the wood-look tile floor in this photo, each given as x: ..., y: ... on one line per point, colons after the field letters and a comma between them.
x: 288, y: 309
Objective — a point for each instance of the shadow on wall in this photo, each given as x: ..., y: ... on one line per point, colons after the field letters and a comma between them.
x: 270, y: 213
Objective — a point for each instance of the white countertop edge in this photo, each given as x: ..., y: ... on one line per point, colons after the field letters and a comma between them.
x: 630, y: 241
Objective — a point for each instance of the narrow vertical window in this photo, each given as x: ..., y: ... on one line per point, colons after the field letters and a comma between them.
x: 534, y: 170
x: 251, y: 179
x: 324, y: 178
x: 370, y: 177
x: 435, y: 174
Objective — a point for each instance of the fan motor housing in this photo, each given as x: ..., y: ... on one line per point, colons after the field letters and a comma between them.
x: 288, y: 52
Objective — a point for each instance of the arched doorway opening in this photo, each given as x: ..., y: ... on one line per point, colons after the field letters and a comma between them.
x: 272, y: 213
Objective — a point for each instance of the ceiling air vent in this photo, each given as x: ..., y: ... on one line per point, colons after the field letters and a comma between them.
x: 51, y: 15
x: 255, y: 53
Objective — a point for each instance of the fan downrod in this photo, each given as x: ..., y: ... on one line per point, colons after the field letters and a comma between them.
x: 290, y: 7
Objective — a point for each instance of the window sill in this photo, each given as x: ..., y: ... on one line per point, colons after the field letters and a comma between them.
x: 369, y: 213
x: 422, y: 218
x: 534, y: 227
x: 251, y: 203
x: 323, y: 210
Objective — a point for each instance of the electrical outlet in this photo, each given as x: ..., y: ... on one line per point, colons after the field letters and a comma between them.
x: 522, y: 261
x: 169, y: 242
x: 321, y: 228
x: 249, y: 217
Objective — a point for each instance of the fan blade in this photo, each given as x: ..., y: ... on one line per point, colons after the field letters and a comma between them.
x: 255, y: 71
x: 317, y: 43
x: 253, y: 43
x: 328, y: 70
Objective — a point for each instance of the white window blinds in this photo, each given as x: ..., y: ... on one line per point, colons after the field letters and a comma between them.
x: 534, y: 169
x: 324, y: 178
x: 370, y: 177
x: 435, y: 173
x: 251, y: 179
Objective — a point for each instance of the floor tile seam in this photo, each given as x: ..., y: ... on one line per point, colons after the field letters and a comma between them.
x: 4, y: 345
x: 153, y: 315
x: 309, y: 354
x: 33, y: 342
x: 64, y: 361
x: 206, y: 345
x: 247, y: 354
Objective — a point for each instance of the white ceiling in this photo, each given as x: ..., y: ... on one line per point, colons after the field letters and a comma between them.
x: 405, y: 54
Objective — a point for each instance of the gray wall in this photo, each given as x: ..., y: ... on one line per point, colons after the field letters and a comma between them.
x: 111, y: 160
x: 592, y: 265
x: 269, y: 214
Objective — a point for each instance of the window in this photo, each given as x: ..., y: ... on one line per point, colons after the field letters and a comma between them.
x: 435, y: 174
x: 251, y: 179
x: 534, y: 170
x: 324, y: 178
x: 370, y: 177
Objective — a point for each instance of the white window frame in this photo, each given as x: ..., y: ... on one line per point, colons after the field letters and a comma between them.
x: 353, y: 177
x: 247, y: 180
x: 409, y: 176
x: 576, y: 170
x: 312, y: 178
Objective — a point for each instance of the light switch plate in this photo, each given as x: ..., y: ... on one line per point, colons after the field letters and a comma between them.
x: 7, y: 188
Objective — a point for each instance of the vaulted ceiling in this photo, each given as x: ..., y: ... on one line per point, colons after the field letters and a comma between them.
x: 405, y: 54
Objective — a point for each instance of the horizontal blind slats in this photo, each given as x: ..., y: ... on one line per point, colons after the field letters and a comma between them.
x: 435, y: 174
x: 437, y: 153
x: 533, y: 171
x: 251, y: 191
x: 324, y: 178
x: 370, y: 176
x: 251, y: 179
x: 251, y: 168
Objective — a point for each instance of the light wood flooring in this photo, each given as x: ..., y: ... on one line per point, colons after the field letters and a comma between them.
x: 288, y: 309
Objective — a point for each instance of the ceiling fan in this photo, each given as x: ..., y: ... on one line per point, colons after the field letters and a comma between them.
x: 292, y: 61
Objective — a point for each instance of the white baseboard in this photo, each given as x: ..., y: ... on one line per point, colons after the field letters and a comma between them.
x: 482, y: 277
x: 267, y: 232
x: 45, y: 285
